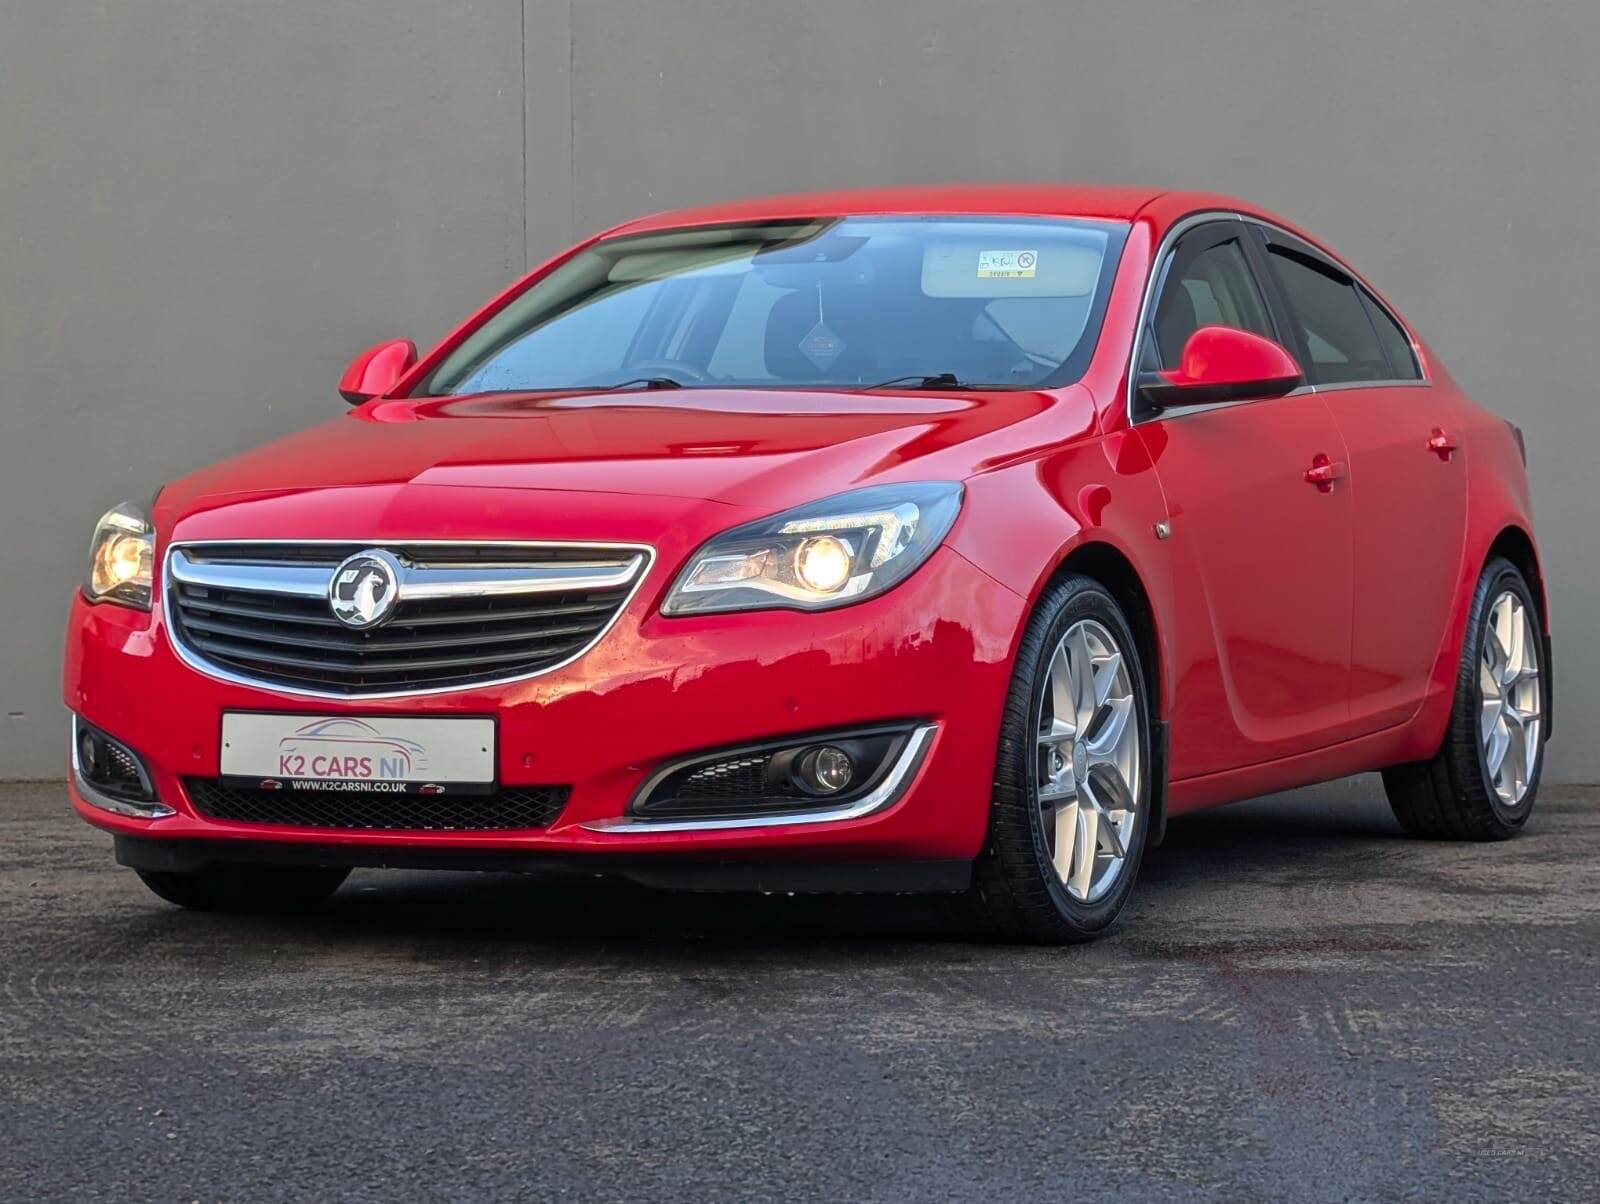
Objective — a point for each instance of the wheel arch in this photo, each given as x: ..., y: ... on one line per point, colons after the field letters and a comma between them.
x: 1105, y: 563
x: 1514, y: 542
x: 1516, y: 545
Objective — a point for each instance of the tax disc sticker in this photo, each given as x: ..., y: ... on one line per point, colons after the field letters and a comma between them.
x: 1007, y: 265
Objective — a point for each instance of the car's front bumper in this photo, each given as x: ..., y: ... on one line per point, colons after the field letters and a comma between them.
x: 935, y: 651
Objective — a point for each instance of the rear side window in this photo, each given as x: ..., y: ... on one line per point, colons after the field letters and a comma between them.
x: 1332, y: 319
x: 1396, y: 343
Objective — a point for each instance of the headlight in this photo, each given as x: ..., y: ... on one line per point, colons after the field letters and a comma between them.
x: 120, y: 558
x: 824, y: 554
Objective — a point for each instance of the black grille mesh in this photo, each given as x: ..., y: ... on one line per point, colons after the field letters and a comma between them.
x: 511, y: 807
x: 121, y: 771
x: 731, y: 787
x: 741, y: 777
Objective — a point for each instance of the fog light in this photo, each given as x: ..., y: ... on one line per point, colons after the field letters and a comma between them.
x: 825, y: 770
x: 823, y: 564
x: 88, y: 752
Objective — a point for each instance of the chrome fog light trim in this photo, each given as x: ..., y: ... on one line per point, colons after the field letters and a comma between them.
x: 894, y: 784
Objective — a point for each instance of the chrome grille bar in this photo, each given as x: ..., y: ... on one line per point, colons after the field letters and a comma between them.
x: 417, y: 581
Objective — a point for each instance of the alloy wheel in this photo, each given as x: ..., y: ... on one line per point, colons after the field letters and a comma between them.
x: 1088, y: 760
x: 1508, y: 683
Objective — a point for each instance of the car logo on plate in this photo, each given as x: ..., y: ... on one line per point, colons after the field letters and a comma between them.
x: 365, y: 588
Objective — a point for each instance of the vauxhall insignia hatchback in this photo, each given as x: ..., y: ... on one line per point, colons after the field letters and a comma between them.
x: 942, y: 539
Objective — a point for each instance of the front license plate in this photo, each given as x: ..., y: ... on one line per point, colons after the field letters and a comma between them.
x: 373, y: 754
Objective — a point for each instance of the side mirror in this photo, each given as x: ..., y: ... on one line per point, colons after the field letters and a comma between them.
x: 377, y: 370
x: 1220, y: 363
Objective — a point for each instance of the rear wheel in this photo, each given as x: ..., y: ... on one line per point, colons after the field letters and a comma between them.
x: 1070, y: 807
x: 247, y: 887
x: 1482, y: 783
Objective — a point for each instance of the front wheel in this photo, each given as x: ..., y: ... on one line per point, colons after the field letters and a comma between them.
x: 246, y: 887
x: 1071, y: 801
x: 1482, y: 782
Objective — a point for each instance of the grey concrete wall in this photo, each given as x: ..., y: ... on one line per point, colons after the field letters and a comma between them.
x: 207, y: 205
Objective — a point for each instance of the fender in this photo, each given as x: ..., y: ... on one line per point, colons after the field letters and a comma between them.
x: 1092, y: 505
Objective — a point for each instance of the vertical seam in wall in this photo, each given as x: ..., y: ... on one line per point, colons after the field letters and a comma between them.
x: 572, y: 129
x: 522, y: 42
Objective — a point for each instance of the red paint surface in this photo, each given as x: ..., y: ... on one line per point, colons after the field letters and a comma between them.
x: 377, y: 370
x: 1221, y: 356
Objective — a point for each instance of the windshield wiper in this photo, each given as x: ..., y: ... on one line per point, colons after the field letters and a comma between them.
x: 647, y: 382
x: 939, y: 380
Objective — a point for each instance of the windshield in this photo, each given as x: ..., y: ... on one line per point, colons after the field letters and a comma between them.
x: 828, y: 303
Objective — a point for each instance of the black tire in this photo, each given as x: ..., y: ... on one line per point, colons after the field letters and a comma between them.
x: 247, y: 887
x: 1452, y: 795
x: 1016, y: 894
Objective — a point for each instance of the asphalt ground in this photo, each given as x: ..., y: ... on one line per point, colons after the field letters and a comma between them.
x: 1300, y: 1003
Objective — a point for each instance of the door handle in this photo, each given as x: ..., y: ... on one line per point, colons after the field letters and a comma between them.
x: 1441, y: 444
x: 1324, y: 472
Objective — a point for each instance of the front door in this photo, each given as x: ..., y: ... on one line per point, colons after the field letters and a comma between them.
x: 1261, y: 556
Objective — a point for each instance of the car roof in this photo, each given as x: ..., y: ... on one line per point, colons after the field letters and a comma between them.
x: 1098, y: 201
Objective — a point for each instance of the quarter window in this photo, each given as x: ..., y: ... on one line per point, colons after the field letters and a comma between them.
x: 1212, y: 288
x: 1334, y: 328
x: 1396, y: 343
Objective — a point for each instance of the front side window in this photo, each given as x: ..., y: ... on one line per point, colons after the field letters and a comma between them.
x: 1213, y: 287
x: 829, y: 303
x: 1337, y: 334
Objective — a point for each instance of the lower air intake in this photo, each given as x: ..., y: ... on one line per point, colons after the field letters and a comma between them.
x: 509, y: 808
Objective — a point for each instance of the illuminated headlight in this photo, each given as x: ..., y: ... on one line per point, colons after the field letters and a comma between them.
x: 121, y: 556
x: 824, y: 554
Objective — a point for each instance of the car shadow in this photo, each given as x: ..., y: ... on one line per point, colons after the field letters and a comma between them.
x: 1325, y: 825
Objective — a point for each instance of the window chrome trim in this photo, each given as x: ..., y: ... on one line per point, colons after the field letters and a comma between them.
x: 1205, y: 217
x: 1340, y: 386
x: 895, y: 783
x: 641, y: 560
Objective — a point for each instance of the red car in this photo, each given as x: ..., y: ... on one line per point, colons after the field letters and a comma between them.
x: 939, y: 539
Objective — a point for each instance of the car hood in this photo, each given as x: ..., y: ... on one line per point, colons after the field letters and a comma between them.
x: 753, y: 448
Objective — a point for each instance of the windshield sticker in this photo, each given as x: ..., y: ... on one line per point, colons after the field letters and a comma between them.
x: 1007, y: 265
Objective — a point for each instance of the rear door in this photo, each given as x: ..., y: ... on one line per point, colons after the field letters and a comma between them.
x: 1408, y: 480
x: 1261, y: 557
